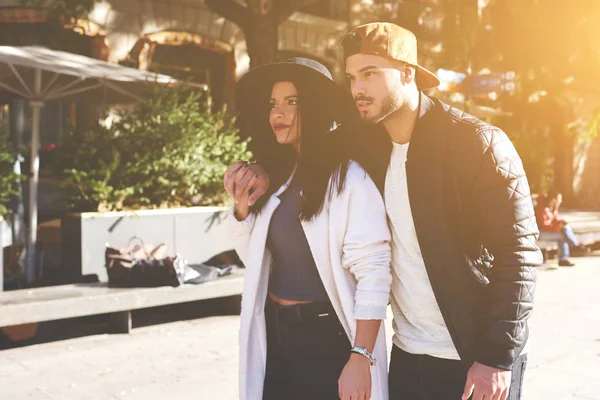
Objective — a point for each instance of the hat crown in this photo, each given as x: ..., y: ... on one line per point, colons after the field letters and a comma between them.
x: 388, y: 40
x: 313, y: 78
x: 391, y: 41
x: 310, y: 63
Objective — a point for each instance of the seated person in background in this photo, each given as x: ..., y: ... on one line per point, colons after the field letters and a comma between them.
x: 554, y: 227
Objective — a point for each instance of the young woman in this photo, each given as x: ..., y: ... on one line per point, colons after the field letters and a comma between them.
x: 316, y: 247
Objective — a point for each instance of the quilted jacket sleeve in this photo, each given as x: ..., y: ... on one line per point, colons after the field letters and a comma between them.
x: 508, y: 227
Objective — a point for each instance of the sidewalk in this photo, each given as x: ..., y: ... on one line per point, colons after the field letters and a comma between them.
x: 564, y: 361
x: 197, y: 359
x: 182, y: 360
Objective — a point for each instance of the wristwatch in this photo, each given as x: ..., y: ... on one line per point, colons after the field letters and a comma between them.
x: 365, y: 353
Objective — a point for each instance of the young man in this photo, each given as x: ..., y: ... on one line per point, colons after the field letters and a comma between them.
x: 462, y: 222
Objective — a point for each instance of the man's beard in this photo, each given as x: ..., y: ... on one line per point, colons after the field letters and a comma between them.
x: 389, y: 105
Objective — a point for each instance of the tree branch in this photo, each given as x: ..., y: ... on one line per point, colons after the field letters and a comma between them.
x: 285, y: 8
x: 231, y: 10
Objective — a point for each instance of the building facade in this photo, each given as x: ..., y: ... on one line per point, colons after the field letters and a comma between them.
x: 186, y: 39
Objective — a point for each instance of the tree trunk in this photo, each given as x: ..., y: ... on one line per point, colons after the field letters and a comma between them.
x: 261, y: 38
x: 563, y: 164
x: 563, y: 147
x: 259, y: 20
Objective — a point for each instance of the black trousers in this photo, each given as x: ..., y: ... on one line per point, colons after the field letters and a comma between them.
x: 422, y: 377
x: 307, y: 350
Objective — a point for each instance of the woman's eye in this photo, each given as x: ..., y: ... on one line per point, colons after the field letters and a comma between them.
x: 272, y: 105
x: 293, y: 102
x: 368, y: 74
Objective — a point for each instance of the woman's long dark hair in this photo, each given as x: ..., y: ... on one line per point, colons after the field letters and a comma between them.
x: 320, y: 161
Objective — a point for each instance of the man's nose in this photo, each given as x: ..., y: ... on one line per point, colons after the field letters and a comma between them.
x: 357, y: 89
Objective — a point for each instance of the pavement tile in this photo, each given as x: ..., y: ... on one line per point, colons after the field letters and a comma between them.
x: 198, y: 359
x: 548, y: 384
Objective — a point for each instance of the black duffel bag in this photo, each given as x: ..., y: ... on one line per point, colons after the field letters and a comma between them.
x: 143, y: 265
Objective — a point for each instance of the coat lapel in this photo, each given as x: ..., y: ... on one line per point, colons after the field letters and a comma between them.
x: 317, y: 234
x: 425, y: 176
x: 253, y: 279
x: 253, y: 276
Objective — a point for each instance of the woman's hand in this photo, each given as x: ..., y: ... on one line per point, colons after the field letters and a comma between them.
x: 241, y: 210
x: 355, y: 381
x: 246, y: 182
x: 238, y: 182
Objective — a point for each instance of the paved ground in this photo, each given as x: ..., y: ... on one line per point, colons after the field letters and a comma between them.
x: 197, y: 359
x: 565, y: 349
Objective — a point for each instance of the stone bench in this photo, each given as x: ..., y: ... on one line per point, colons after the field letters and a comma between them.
x: 78, y: 300
x: 585, y: 224
x: 549, y: 246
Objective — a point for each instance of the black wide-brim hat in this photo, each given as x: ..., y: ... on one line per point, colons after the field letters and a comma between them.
x: 314, y: 78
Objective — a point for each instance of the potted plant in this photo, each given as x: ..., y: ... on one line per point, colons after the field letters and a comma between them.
x: 155, y: 172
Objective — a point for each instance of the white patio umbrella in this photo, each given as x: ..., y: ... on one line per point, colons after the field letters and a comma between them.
x: 39, y: 75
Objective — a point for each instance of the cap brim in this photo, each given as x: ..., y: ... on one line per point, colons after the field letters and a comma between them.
x: 426, y: 79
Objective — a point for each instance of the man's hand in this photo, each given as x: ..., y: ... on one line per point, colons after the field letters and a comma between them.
x: 242, y: 178
x: 355, y: 381
x: 487, y: 383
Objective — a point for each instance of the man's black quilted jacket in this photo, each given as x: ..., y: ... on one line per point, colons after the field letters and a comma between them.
x: 475, y: 224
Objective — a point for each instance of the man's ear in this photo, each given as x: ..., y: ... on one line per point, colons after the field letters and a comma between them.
x: 409, y: 72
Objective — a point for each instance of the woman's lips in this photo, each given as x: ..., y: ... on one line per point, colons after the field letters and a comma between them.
x: 280, y: 127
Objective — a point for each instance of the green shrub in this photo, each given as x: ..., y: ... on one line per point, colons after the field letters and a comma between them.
x: 169, y: 151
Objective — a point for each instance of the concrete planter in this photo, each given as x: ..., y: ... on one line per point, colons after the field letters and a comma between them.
x: 197, y: 233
